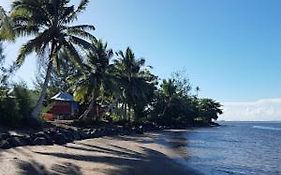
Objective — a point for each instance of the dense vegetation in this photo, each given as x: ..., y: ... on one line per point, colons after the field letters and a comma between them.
x: 73, y: 60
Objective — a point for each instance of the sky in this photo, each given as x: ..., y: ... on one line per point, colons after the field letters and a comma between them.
x: 231, y: 49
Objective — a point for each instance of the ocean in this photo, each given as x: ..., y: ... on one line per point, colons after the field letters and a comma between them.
x: 238, y: 148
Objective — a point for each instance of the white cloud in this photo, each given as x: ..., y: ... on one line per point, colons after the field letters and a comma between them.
x: 261, y: 110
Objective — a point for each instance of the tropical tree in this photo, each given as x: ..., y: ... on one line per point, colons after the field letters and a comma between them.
x: 174, y: 105
x: 137, y: 84
x: 16, y: 105
x: 48, y: 22
x: 182, y: 83
x: 209, y: 109
x: 93, y: 83
x: 168, y: 92
x: 176, y: 87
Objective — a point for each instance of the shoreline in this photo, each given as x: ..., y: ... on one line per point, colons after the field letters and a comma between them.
x: 62, y: 134
x: 149, y: 154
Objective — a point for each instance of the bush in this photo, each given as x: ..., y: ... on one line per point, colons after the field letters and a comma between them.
x: 9, y: 111
x: 16, y: 106
x: 177, y: 112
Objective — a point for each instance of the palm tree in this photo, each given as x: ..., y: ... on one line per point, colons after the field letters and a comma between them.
x: 95, y: 80
x: 48, y: 22
x: 169, y: 91
x: 136, y: 84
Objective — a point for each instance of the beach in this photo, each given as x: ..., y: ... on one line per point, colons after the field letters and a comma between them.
x: 148, y: 154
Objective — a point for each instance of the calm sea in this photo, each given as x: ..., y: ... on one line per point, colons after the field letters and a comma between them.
x: 240, y: 148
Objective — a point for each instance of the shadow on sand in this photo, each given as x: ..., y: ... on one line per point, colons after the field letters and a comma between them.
x: 34, y: 168
x: 126, y: 161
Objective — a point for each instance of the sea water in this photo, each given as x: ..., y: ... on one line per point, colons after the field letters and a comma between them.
x: 238, y: 148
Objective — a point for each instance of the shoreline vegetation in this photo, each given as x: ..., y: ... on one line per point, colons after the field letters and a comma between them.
x: 117, y: 92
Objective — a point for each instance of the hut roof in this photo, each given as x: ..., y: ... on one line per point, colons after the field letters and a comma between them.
x: 63, y: 96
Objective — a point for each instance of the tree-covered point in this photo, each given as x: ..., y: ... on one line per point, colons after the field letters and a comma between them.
x: 109, y: 85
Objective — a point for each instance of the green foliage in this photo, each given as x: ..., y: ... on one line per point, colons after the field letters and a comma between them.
x: 95, y: 79
x: 137, y: 84
x: 6, y: 32
x: 50, y: 24
x: 172, y: 106
x: 9, y: 111
x: 25, y: 99
x: 182, y: 83
x: 209, y: 109
x: 16, y: 105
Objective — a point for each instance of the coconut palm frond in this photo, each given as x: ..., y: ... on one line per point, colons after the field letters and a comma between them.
x: 81, y: 43
x: 81, y: 33
x: 81, y: 7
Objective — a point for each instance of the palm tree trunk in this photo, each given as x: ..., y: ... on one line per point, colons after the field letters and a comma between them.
x: 166, y: 106
x: 125, y: 111
x: 116, y: 109
x: 130, y: 113
x: 122, y: 112
x: 85, y: 115
x: 36, y: 112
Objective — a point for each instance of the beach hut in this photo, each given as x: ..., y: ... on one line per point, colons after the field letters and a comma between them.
x: 63, y: 106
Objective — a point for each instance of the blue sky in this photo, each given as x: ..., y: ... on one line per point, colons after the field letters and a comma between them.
x: 230, y: 48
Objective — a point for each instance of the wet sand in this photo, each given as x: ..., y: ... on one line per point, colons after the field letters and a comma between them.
x: 148, y: 154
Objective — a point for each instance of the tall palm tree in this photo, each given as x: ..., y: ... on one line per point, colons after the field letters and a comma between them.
x: 93, y: 82
x: 48, y: 22
x: 134, y: 80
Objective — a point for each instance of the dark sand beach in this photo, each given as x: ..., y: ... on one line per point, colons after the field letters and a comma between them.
x: 148, y: 154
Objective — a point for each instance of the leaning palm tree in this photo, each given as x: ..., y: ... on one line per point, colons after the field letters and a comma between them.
x: 48, y: 22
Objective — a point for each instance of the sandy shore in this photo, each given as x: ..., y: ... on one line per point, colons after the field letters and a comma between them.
x: 147, y: 154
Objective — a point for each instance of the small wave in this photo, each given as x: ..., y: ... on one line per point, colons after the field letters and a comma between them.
x: 267, y: 128
x: 232, y: 172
